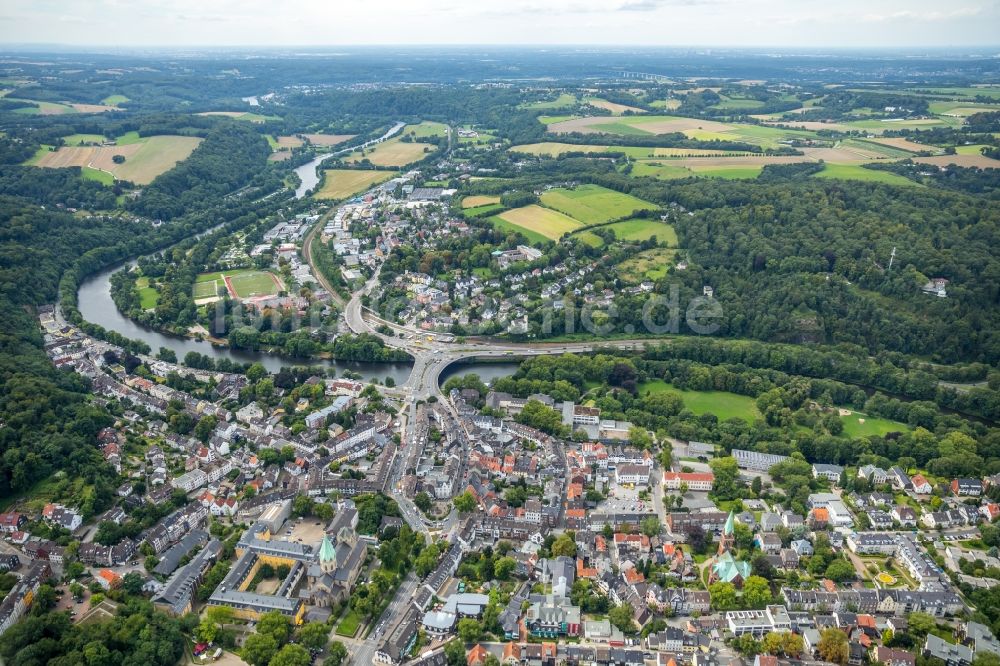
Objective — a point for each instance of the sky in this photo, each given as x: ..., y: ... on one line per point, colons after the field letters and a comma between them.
x: 668, y: 23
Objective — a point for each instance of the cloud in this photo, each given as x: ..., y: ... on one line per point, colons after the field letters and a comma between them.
x: 654, y: 5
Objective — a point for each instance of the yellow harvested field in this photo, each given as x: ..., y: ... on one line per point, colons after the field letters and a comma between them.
x: 325, y: 139
x: 479, y: 200
x: 345, y: 183
x: 144, y: 160
x: 668, y: 125
x: 968, y: 161
x: 554, y: 149
x: 93, y: 108
x: 279, y: 156
x: 905, y: 144
x: 394, y: 153
x: 549, y: 223
x: 613, y: 107
x: 289, y: 141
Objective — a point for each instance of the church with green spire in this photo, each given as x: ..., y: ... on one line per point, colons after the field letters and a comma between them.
x: 725, y: 567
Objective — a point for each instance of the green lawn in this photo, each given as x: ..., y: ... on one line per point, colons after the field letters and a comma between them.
x: 862, y: 425
x: 128, y: 138
x: 477, y: 211
x: 253, y: 283
x: 730, y: 172
x: 77, y: 139
x: 102, y: 177
x: 349, y: 624
x: 593, y: 204
x: 148, y: 296
x: 563, y: 100
x: 590, y: 238
x: 857, y: 172
x: 425, y: 129
x: 640, y: 230
x: 647, y: 265
x: 114, y: 100
x: 724, y: 405
x: 660, y: 170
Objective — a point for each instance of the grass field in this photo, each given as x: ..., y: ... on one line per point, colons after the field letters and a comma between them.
x: 668, y: 104
x: 590, y: 238
x: 547, y: 223
x: 856, y: 172
x: 724, y: 405
x: 148, y: 296
x: 425, y: 129
x: 145, y: 158
x: 252, y: 283
x: 477, y: 200
x: 640, y: 230
x: 593, y: 204
x: 349, y: 624
x: 661, y: 170
x: 102, y: 177
x: 728, y: 172
x: 345, y: 183
x: 114, y: 100
x: 562, y: 101
x: 862, y: 425
x: 480, y: 211
x: 240, y: 115
x: 647, y: 265
x: 80, y: 139
x: 44, y: 108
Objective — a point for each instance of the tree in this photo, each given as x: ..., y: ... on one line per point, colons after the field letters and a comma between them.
x: 323, y: 511
x: 564, y: 545
x: 275, y: 625
x: 423, y: 501
x: 314, y: 635
x: 338, y: 653
x: 920, y: 624
x: 727, y: 475
x: 640, y: 438
x: 984, y: 658
x: 465, y: 503
x: 469, y: 630
x: 259, y: 649
x: 833, y: 646
x: 621, y: 616
x: 454, y: 652
x: 840, y: 570
x: 650, y: 526
x: 291, y: 655
x: 504, y: 567
x: 756, y: 592
x: 723, y: 596
x: 132, y: 583
x: 302, y: 505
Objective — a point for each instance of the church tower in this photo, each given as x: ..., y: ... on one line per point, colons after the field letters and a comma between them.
x: 728, y: 538
x: 327, y: 556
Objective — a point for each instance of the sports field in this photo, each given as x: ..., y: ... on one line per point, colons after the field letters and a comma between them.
x: 549, y: 224
x: 145, y: 158
x: 647, y: 265
x: 240, y: 283
x: 345, y: 183
x: 641, y: 230
x: 593, y: 204
x: 479, y: 200
x: 721, y: 403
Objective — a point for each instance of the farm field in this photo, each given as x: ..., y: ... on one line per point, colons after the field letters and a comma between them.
x: 44, y: 108
x: 115, y: 100
x: 287, y: 142
x: 728, y: 172
x: 738, y: 103
x: 145, y: 159
x: 546, y: 223
x: 590, y: 238
x: 345, y: 183
x: 593, y: 204
x: 102, y: 177
x: 249, y: 116
x: 80, y: 139
x: 723, y: 404
x: 554, y: 149
x: 856, y: 172
x: 861, y: 425
x: 904, y: 144
x: 640, y: 230
x: 91, y: 108
x: 477, y: 200
x: 647, y: 265
x: 315, y: 139
x: 393, y: 153
x: 977, y: 161
x: 661, y: 170
x: 425, y: 129
x: 668, y: 104
x: 480, y: 211
x: 878, y: 126
x: 613, y: 107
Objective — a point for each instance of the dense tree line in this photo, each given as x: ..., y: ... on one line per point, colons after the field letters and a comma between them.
x: 63, y: 187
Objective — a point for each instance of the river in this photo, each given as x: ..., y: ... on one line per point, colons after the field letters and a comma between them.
x: 97, y: 306
x: 309, y: 173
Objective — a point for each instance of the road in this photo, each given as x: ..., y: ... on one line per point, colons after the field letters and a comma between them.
x: 363, y: 651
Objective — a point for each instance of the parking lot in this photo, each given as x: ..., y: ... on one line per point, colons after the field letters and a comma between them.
x: 307, y: 530
x: 622, y: 499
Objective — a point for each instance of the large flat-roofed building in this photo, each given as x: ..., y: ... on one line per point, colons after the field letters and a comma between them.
x: 178, y: 593
x: 756, y: 461
x: 759, y: 622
